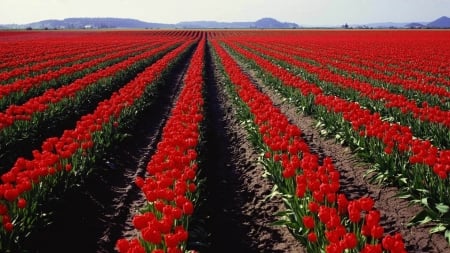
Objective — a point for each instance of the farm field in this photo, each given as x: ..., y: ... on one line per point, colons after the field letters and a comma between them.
x: 225, y: 141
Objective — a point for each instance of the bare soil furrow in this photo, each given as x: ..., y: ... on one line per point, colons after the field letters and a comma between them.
x: 239, y: 215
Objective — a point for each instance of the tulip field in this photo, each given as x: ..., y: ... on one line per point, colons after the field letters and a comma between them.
x: 121, y: 141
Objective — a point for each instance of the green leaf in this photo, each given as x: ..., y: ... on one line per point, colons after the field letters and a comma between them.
x: 403, y: 196
x: 424, y: 202
x: 273, y: 193
x: 438, y: 228
x: 442, y: 208
x: 425, y: 191
x: 283, y: 213
x: 404, y: 180
x: 420, y: 218
x: 447, y: 235
x: 280, y: 223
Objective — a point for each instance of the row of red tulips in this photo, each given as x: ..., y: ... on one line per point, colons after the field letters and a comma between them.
x: 408, y: 53
x: 399, y: 54
x: 420, y: 168
x: 63, y: 160
x: 360, y: 61
x: 426, y: 122
x: 14, y: 92
x: 322, y: 218
x: 24, y: 112
x: 26, y: 49
x: 170, y: 183
x: 425, y: 112
x: 427, y: 66
x: 363, y: 120
x: 391, y: 81
x: 76, y: 56
x: 43, y: 116
x: 18, y: 54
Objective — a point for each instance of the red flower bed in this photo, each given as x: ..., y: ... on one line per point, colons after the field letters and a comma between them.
x: 330, y: 221
x: 170, y: 182
x: 61, y: 158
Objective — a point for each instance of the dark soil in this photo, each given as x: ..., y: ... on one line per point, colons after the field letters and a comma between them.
x: 236, y: 210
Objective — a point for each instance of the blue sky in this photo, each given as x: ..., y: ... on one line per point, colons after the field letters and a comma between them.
x: 302, y: 12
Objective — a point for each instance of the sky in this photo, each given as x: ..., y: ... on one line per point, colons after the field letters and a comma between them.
x: 302, y: 12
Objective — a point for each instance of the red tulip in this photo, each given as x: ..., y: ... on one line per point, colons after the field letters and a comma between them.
x: 181, y: 233
x: 333, y: 248
x: 377, y: 232
x: 171, y: 240
x: 333, y: 236
x: 350, y: 241
x: 373, y: 218
x: 8, y: 226
x: 11, y: 194
x: 366, y: 203
x: 151, y: 235
x: 122, y: 245
x: 174, y: 250
x: 188, y: 208
x: 308, y: 221
x: 140, y: 221
x: 21, y: 203
x: 342, y: 203
x: 354, y: 211
x: 313, y: 207
x: 68, y: 167
x: 370, y: 248
x: 312, y: 237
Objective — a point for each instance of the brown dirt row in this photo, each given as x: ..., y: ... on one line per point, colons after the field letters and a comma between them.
x: 236, y: 211
x: 396, y: 212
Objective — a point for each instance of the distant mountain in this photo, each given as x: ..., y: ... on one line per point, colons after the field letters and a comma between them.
x: 265, y: 23
x: 213, y: 25
x: 273, y: 24
x: 93, y: 23
x: 96, y: 23
x: 416, y: 25
x: 387, y: 25
x: 442, y: 22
